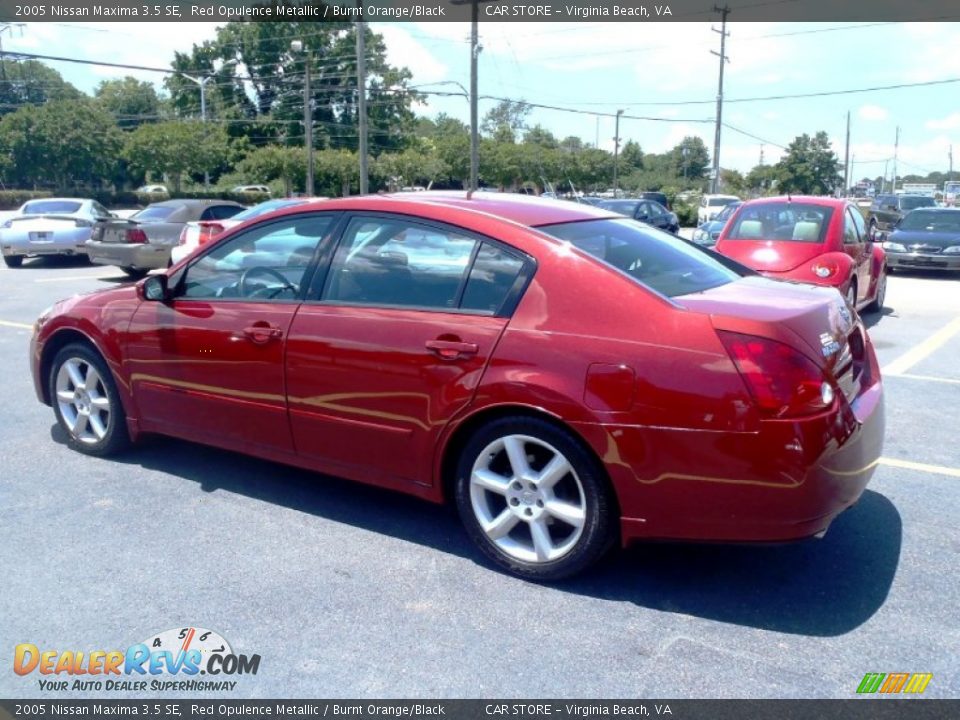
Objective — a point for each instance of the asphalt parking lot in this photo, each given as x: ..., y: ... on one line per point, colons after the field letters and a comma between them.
x: 350, y: 591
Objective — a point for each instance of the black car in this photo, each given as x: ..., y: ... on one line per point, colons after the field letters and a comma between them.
x: 927, y: 239
x: 886, y: 210
x: 656, y: 197
x: 648, y: 211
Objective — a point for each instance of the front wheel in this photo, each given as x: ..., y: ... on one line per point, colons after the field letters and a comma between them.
x: 86, y: 402
x: 852, y: 294
x: 13, y: 261
x: 533, y: 499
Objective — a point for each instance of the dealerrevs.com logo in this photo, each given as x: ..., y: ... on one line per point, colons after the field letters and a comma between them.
x: 169, y: 661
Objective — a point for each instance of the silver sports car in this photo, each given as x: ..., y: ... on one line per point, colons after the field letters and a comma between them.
x: 51, y: 226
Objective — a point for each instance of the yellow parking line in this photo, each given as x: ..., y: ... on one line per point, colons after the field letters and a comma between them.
x: 923, y: 350
x: 19, y: 326
x: 931, y: 378
x: 922, y: 467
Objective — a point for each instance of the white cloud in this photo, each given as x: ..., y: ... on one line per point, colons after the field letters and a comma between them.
x: 872, y: 113
x: 950, y: 122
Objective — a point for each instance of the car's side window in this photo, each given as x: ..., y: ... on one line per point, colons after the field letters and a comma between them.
x: 492, y: 276
x: 267, y: 262
x: 389, y: 261
x: 851, y: 236
x: 859, y: 222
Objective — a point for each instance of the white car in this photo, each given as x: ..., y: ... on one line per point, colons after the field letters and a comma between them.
x: 712, y: 205
x: 256, y: 189
x: 51, y: 226
x: 153, y: 189
x: 195, y: 234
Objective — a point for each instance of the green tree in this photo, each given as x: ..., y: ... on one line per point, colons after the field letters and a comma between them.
x: 177, y: 148
x: 689, y: 159
x: 504, y: 121
x: 810, y: 167
x: 28, y: 82
x: 274, y: 162
x: 732, y: 181
x: 631, y: 157
x: 131, y: 101
x: 762, y: 179
x: 255, y: 75
x: 410, y: 167
x: 63, y: 144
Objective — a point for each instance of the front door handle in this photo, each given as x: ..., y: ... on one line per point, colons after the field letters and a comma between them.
x: 262, y: 332
x: 452, y: 349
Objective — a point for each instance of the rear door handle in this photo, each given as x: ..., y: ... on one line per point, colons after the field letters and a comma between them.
x: 262, y: 333
x: 452, y: 349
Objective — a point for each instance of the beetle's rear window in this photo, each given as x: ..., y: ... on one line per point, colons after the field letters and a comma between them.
x: 657, y: 259
x: 794, y: 222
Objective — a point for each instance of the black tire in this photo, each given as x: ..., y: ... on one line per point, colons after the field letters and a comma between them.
x: 115, y: 437
x: 133, y: 272
x: 578, y: 548
x: 852, y: 290
x: 877, y: 304
x: 13, y: 261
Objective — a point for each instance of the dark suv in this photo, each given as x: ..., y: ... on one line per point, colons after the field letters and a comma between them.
x: 887, y: 210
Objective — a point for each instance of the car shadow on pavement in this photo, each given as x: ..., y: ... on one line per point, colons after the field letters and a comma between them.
x: 820, y: 587
x: 56, y: 261
x: 872, y: 318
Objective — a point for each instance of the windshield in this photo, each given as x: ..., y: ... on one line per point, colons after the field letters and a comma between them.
x: 265, y: 207
x: 653, y: 258
x: 932, y: 221
x: 796, y: 222
x: 725, y: 214
x: 719, y: 202
x: 624, y: 207
x: 909, y: 203
x: 49, y: 207
x: 155, y: 213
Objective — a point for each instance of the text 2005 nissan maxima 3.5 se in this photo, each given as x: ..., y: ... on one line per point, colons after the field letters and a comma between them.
x: 569, y: 377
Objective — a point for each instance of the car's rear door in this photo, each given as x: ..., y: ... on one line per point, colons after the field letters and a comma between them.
x: 208, y: 365
x: 392, y: 344
x: 854, y: 245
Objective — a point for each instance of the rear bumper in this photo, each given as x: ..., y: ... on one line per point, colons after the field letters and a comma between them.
x: 145, y: 256
x: 787, y: 481
x: 917, y: 261
x: 54, y: 247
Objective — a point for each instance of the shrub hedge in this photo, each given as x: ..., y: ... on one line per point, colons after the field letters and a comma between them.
x: 13, y: 199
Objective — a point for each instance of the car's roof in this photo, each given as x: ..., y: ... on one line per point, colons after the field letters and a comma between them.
x: 58, y: 199
x: 193, y: 202
x: 524, y: 209
x: 806, y: 199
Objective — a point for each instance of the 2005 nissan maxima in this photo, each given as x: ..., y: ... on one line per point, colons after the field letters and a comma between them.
x: 570, y: 378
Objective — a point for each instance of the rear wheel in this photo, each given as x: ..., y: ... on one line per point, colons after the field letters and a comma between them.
x: 533, y: 499
x: 13, y: 261
x: 86, y: 402
x: 134, y: 272
x: 852, y: 294
x: 877, y: 304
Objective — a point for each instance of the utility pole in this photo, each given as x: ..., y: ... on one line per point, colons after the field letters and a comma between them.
x: 474, y: 114
x: 846, y: 160
x: 761, y: 155
x: 896, y: 147
x: 724, y: 11
x: 950, y: 173
x: 616, y: 153
x: 362, y: 102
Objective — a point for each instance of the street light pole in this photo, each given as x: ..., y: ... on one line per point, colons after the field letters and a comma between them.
x: 616, y: 153
x: 362, y: 104
x: 474, y: 131
x: 202, y: 82
x: 297, y: 46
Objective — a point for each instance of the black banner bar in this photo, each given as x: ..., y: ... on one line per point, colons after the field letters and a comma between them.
x: 204, y: 709
x: 460, y: 10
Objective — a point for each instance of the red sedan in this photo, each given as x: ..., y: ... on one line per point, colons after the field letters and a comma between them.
x: 817, y: 240
x: 569, y: 377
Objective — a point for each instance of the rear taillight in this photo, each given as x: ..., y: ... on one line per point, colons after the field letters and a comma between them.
x: 784, y: 382
x: 825, y: 269
x: 208, y: 231
x: 136, y: 236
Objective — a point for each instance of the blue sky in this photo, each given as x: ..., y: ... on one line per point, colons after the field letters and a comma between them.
x: 609, y: 66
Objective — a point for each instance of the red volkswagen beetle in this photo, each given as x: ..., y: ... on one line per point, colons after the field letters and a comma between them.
x: 569, y: 377
x: 809, y: 239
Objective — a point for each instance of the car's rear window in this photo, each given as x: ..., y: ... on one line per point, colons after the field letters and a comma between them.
x: 265, y: 207
x: 795, y: 222
x: 932, y: 221
x: 624, y: 207
x: 719, y: 202
x: 653, y: 258
x: 909, y: 203
x: 156, y: 213
x: 48, y: 207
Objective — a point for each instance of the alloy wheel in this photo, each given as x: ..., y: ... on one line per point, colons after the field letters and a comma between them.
x: 527, y: 499
x: 83, y: 400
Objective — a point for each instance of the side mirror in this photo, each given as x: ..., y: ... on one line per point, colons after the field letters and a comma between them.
x: 154, y: 289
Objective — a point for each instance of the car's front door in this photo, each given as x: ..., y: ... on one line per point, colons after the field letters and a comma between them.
x: 208, y: 364
x: 393, y: 344
x: 854, y: 245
